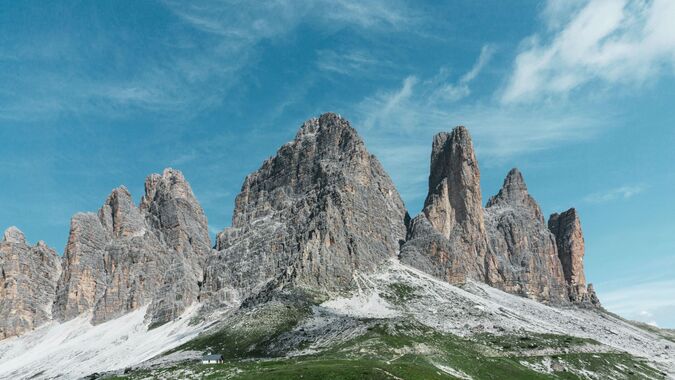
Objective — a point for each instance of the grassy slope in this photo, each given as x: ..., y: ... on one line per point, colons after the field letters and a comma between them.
x: 390, y: 350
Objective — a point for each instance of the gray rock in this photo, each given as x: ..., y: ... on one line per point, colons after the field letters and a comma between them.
x: 454, y: 209
x: 14, y: 235
x: 522, y: 257
x: 178, y: 221
x: 317, y: 213
x: 127, y: 257
x: 84, y: 279
x: 27, y: 284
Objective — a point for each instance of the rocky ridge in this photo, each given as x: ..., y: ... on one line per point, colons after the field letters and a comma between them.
x: 316, y: 216
x: 507, y: 244
x: 126, y: 256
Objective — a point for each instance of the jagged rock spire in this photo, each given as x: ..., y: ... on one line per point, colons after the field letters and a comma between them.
x: 570, y: 242
x: 514, y: 193
x: 454, y: 209
x: 454, y: 183
x: 523, y: 257
x: 172, y: 209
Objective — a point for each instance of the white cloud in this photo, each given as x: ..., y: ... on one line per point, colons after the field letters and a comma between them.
x: 452, y: 92
x: 608, y: 41
x: 623, y: 192
x: 414, y: 112
x: 650, y: 302
x: 500, y: 131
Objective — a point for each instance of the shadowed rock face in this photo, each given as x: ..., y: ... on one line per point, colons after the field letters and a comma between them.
x: 28, y: 278
x: 125, y: 257
x: 318, y: 211
x: 455, y: 247
x: 570, y: 241
x: 522, y: 257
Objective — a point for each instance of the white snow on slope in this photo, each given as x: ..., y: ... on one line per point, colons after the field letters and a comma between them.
x: 75, y: 348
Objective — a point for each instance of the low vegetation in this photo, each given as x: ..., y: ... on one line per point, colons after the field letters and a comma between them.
x: 398, y: 349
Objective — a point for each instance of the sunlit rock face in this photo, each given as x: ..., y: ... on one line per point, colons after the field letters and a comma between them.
x: 570, y: 242
x: 523, y: 256
x: 28, y: 278
x: 448, y: 239
x: 317, y: 213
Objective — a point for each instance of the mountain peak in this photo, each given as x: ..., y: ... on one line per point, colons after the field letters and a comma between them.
x: 14, y: 235
x: 514, y: 193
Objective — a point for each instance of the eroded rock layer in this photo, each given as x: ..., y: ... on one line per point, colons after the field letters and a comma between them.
x: 28, y: 278
x: 319, y: 211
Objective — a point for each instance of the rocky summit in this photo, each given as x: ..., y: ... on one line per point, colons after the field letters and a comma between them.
x: 315, y: 215
x: 522, y: 256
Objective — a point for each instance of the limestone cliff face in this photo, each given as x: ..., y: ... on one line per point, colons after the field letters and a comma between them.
x: 126, y: 256
x: 455, y: 246
x: 28, y: 278
x: 570, y: 242
x: 313, y: 215
x: 522, y: 257
x: 178, y: 221
x: 83, y: 280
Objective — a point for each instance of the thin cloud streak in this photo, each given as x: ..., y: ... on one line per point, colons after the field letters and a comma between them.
x: 194, y: 74
x: 619, y: 193
x: 649, y: 302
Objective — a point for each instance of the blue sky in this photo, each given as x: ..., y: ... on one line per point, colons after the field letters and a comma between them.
x: 577, y: 94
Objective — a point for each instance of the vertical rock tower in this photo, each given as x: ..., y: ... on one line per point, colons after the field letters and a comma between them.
x: 448, y: 239
x: 570, y: 242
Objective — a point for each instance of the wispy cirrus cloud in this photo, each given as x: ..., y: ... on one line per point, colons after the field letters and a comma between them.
x: 188, y: 65
x: 608, y: 42
x: 350, y: 62
x: 619, y: 193
x: 419, y: 108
